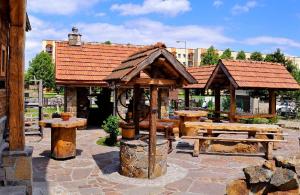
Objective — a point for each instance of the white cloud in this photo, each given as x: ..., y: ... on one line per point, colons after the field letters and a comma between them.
x: 41, y: 30
x: 279, y: 41
x: 59, y: 7
x: 100, y: 14
x: 217, y: 3
x: 145, y: 31
x: 166, y: 7
x: 238, y: 9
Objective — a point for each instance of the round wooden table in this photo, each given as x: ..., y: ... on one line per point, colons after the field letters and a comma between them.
x: 189, y: 116
x: 63, y: 136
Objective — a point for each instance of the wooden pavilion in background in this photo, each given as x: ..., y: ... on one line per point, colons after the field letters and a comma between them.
x: 249, y: 75
x: 152, y: 67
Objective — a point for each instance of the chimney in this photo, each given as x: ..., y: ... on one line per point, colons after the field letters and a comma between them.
x: 74, y: 37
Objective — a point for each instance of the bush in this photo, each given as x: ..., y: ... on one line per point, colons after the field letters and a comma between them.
x: 273, y: 120
x: 111, y: 126
x: 255, y: 121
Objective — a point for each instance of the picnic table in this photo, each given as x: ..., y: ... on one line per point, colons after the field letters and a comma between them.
x: 211, y: 131
x: 188, y: 116
x: 63, y: 136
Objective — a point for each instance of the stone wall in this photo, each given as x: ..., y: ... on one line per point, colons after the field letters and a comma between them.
x: 134, y: 158
x: 164, y: 103
x: 3, y: 102
x: 17, y: 168
x: 2, y: 127
x: 71, y: 100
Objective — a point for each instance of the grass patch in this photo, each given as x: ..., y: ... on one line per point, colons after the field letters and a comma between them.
x: 101, y: 142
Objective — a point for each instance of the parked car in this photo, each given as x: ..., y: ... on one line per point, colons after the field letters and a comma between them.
x: 286, y: 109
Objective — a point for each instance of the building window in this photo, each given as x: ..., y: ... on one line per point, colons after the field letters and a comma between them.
x: 179, y: 55
x: 3, y: 61
x: 49, y: 49
x: 184, y: 55
x: 184, y: 63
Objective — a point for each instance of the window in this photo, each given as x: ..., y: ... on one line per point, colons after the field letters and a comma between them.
x: 49, y: 49
x: 179, y: 55
x: 184, y: 55
x: 184, y: 63
x: 3, y: 61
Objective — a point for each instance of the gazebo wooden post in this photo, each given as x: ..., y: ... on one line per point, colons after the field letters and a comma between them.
x: 16, y: 75
x: 232, y: 109
x: 152, y: 133
x: 136, y: 113
x: 217, y: 104
x: 187, y: 99
x: 272, y: 102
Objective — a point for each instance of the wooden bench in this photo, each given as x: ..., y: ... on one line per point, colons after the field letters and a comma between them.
x: 199, y: 140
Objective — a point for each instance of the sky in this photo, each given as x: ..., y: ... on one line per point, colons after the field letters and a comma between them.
x: 249, y: 25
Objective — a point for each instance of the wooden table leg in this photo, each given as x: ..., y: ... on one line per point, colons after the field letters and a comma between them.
x: 181, y: 125
x: 196, y: 148
x: 63, y: 143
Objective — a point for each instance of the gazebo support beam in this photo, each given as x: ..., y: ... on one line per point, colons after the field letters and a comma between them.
x: 187, y: 99
x: 152, y: 133
x: 217, y: 104
x: 16, y: 75
x: 272, y: 102
x: 136, y: 113
x: 232, y: 108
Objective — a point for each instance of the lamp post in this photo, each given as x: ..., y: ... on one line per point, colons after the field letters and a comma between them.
x: 186, y: 61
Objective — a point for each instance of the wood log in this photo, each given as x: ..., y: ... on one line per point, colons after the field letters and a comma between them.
x: 16, y: 74
x: 217, y: 104
x: 196, y: 148
x: 272, y: 102
x: 63, y: 143
x: 152, y: 133
x: 187, y: 99
x: 136, y: 113
x: 232, y: 108
x: 231, y: 139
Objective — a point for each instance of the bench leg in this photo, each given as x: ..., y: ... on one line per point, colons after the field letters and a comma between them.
x: 196, y: 148
x: 269, y: 150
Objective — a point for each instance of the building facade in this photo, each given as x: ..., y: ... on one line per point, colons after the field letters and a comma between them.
x: 192, y: 57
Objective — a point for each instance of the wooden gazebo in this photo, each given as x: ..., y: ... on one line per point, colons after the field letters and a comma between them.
x: 152, y: 67
x: 249, y: 75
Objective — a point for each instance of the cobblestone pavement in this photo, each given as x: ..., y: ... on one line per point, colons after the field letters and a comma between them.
x: 94, y: 170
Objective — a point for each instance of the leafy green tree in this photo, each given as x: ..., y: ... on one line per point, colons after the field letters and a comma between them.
x: 277, y: 56
x: 256, y: 56
x: 41, y: 68
x: 107, y: 42
x: 210, y: 57
x: 226, y: 54
x: 241, y: 55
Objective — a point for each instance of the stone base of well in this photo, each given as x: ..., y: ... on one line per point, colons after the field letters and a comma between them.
x: 17, y: 168
x: 134, y: 158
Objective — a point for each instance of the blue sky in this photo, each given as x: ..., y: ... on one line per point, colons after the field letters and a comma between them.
x: 250, y: 25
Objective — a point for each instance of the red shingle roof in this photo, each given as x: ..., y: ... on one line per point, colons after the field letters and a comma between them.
x: 254, y: 74
x: 89, y: 63
x: 201, y: 74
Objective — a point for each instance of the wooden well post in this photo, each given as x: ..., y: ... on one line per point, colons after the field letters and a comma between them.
x: 136, y: 113
x: 152, y: 133
x: 16, y: 75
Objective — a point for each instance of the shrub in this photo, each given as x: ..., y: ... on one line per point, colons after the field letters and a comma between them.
x: 273, y: 120
x: 111, y: 126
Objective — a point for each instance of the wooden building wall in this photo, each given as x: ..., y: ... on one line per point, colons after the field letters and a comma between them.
x: 4, y: 32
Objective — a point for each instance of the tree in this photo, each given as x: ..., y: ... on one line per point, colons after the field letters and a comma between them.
x: 277, y: 56
x: 241, y: 55
x: 210, y: 57
x: 256, y: 56
x: 107, y: 42
x: 226, y: 54
x: 41, y: 68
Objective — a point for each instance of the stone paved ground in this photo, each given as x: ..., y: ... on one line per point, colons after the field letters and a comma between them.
x: 94, y: 170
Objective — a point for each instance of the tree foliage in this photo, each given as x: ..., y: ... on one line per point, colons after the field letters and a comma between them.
x: 256, y: 56
x: 241, y: 55
x: 41, y: 68
x: 226, y: 54
x: 210, y: 57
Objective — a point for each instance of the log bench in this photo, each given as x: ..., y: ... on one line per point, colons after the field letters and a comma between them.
x: 267, y: 143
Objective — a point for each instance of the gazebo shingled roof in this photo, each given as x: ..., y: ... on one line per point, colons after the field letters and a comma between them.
x: 139, y: 62
x: 244, y: 74
x: 201, y: 74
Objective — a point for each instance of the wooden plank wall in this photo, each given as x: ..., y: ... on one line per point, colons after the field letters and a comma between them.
x: 4, y: 30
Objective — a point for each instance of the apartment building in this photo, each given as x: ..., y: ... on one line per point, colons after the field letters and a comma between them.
x: 192, y: 57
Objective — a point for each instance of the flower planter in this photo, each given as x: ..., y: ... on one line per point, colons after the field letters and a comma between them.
x: 65, y: 116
